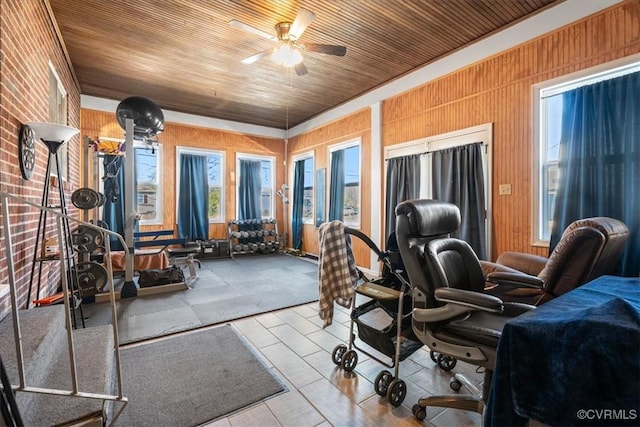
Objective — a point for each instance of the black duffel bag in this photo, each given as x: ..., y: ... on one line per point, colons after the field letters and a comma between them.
x: 156, y: 277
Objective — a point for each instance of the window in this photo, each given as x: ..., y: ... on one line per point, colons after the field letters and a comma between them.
x: 215, y: 174
x: 147, y: 161
x: 550, y: 111
x: 266, y: 188
x: 267, y: 179
x: 307, y: 206
x: 58, y: 115
x: 308, y: 214
x: 350, y: 176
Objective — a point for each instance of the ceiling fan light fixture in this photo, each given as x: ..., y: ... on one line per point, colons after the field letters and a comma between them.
x: 287, y: 56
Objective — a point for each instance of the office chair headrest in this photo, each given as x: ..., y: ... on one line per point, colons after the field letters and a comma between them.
x: 428, y: 217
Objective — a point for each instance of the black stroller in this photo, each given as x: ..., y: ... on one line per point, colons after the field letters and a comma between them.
x: 392, y: 337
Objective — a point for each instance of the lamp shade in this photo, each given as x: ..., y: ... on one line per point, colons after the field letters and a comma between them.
x: 51, y: 132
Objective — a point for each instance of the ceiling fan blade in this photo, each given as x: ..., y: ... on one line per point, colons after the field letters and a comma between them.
x: 248, y: 28
x: 302, y: 21
x: 301, y: 70
x: 258, y: 56
x: 327, y: 49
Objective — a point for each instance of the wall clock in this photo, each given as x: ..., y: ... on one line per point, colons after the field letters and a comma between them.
x: 27, y: 151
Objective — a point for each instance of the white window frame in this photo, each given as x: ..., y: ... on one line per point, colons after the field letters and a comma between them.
x: 552, y: 87
x: 58, y: 114
x: 425, y: 146
x: 297, y: 158
x: 272, y: 159
x: 159, y: 218
x: 343, y: 146
x: 204, y: 152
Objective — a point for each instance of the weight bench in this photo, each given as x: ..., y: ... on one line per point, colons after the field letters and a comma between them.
x: 182, y: 257
x: 185, y: 257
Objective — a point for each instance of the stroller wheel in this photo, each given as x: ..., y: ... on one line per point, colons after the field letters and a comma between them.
x: 446, y: 363
x: 397, y: 392
x: 434, y: 356
x: 381, y: 384
x: 337, y: 354
x: 349, y: 360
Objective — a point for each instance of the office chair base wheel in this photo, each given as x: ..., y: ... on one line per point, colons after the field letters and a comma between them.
x: 455, y: 384
x: 381, y: 384
x: 338, y: 353
x: 349, y: 360
x: 420, y: 412
x: 397, y: 392
x: 446, y: 363
x: 434, y: 356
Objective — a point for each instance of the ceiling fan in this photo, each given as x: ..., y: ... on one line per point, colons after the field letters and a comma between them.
x: 289, y: 51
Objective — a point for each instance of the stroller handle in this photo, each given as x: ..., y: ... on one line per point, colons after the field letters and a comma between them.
x: 360, y: 235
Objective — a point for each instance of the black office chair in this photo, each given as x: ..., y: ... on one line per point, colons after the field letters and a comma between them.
x: 452, y: 315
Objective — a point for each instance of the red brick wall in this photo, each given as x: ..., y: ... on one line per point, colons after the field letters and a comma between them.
x: 28, y: 42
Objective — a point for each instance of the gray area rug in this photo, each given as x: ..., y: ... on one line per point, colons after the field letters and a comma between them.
x: 192, y: 378
x: 225, y: 289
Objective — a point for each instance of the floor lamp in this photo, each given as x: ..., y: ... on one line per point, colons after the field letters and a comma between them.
x: 54, y: 136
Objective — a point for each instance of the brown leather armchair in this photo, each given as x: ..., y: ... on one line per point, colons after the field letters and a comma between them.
x: 588, y: 248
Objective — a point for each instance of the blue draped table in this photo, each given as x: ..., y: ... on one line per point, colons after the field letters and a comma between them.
x: 573, y: 361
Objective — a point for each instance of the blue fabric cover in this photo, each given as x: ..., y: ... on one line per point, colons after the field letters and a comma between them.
x: 577, y: 352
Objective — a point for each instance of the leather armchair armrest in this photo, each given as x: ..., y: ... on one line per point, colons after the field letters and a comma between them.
x: 527, y: 263
x: 515, y: 280
x: 489, y: 267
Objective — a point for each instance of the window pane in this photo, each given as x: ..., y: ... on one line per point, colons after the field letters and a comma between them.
x: 214, y: 170
x: 146, y: 166
x: 351, y: 210
x: 551, y: 131
x: 307, y: 202
x: 266, y: 201
x: 58, y: 115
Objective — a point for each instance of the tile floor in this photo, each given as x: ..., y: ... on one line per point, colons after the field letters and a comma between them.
x: 293, y: 342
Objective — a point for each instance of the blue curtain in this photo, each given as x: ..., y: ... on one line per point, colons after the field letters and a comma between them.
x: 336, y: 186
x: 599, y: 160
x: 458, y: 178
x: 249, y: 189
x: 298, y: 201
x: 113, y: 208
x: 403, y: 183
x: 193, y: 199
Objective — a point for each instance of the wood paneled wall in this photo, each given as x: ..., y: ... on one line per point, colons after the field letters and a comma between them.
x: 101, y: 124
x: 499, y: 90
x: 356, y: 125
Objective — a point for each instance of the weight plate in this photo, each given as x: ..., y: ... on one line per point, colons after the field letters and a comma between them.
x: 87, y: 239
x: 102, y: 198
x: 92, y: 278
x: 85, y: 198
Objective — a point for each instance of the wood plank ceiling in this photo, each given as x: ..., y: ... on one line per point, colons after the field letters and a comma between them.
x: 184, y: 55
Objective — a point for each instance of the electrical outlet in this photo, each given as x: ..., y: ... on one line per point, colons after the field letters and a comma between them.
x: 505, y: 189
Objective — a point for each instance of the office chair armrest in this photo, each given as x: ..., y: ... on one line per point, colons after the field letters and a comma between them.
x: 458, y: 302
x: 469, y: 299
x: 527, y: 263
x: 515, y: 280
